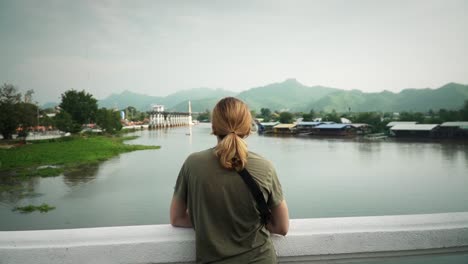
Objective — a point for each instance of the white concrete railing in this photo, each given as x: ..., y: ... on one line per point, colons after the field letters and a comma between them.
x: 324, y: 240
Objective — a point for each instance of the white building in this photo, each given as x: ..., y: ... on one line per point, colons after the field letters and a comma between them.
x: 158, y: 108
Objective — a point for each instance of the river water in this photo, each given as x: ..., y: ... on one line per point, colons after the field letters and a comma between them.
x: 321, y: 178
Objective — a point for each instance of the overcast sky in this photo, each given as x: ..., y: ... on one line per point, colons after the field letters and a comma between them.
x: 159, y: 47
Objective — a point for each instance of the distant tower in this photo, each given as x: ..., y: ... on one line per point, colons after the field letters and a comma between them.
x: 190, y: 119
x: 190, y: 113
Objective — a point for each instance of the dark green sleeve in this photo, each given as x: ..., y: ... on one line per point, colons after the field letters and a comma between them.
x: 180, y: 189
x: 276, y: 191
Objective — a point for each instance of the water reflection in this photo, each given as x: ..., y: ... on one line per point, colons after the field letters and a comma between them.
x: 82, y: 174
x: 13, y: 190
x: 369, y: 147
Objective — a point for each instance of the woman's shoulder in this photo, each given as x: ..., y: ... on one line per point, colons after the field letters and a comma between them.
x: 258, y: 160
x: 201, y: 155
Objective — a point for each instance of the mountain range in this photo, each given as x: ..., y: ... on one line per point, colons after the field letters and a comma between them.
x: 291, y: 95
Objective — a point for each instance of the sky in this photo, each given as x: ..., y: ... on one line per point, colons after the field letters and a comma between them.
x: 160, y: 47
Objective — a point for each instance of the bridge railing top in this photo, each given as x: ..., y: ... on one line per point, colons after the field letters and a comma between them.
x: 318, y: 240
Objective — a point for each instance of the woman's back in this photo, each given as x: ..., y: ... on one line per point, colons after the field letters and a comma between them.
x: 212, y: 198
x: 222, y: 210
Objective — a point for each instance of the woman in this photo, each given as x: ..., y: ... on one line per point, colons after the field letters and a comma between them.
x: 211, y: 196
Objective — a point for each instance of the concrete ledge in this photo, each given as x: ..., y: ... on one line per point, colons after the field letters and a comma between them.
x: 324, y: 240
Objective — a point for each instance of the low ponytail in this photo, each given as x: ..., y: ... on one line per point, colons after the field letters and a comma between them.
x: 231, y: 121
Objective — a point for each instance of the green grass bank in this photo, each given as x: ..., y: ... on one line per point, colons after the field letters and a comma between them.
x: 59, y: 155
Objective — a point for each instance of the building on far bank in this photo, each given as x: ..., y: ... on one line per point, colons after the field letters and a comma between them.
x: 334, y: 130
x: 414, y: 130
x: 458, y: 129
x: 267, y: 127
x: 361, y: 128
x: 306, y: 126
x: 394, y: 123
x: 157, y: 108
x: 284, y: 129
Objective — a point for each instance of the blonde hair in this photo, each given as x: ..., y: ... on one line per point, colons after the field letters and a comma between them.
x: 231, y: 122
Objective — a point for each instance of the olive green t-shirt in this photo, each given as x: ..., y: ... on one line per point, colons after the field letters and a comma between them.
x: 223, y: 211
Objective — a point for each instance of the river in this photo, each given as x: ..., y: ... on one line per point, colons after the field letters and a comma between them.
x: 323, y: 177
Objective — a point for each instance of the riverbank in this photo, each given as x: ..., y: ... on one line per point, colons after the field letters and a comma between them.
x: 54, y: 156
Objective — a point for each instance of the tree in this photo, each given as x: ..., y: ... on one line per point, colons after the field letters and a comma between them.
x: 266, y: 114
x: 131, y: 113
x: 370, y: 118
x: 286, y: 117
x: 205, y: 116
x: 412, y: 116
x: 81, y: 106
x: 64, y: 122
x: 333, y: 117
x: 27, y: 117
x: 142, y: 116
x: 108, y: 120
x: 9, y: 100
x: 464, y: 111
x: 46, y: 121
x: 310, y: 116
x: 28, y: 96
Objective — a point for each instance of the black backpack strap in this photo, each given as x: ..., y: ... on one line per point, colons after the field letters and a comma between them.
x: 265, y: 213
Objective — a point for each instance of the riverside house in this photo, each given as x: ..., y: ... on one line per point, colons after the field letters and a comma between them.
x: 284, y: 129
x: 267, y: 127
x: 305, y: 127
x: 334, y: 130
x: 361, y: 128
x: 414, y: 130
x: 394, y: 123
x: 457, y: 129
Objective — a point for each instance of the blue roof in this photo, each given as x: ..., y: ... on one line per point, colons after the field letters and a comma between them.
x: 332, y: 126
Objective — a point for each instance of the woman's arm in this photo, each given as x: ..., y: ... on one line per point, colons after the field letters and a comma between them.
x: 179, y: 213
x: 279, y: 223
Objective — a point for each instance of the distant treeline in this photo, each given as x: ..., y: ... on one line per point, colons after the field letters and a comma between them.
x: 378, y: 120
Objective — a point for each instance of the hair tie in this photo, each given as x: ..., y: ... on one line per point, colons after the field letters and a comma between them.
x: 233, y: 132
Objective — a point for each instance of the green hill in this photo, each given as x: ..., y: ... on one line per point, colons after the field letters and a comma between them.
x: 171, y: 102
x: 293, y: 96
x: 288, y: 95
x: 200, y: 105
x: 449, y: 96
x: 142, y: 102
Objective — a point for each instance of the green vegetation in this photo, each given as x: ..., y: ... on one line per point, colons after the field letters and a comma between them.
x: 205, y: 116
x: 66, y: 152
x: 43, y: 208
x: 81, y: 108
x: 132, y: 114
x: 108, y: 120
x: 265, y: 113
x: 48, y: 172
x: 309, y: 116
x: 286, y: 117
x: 16, y: 113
